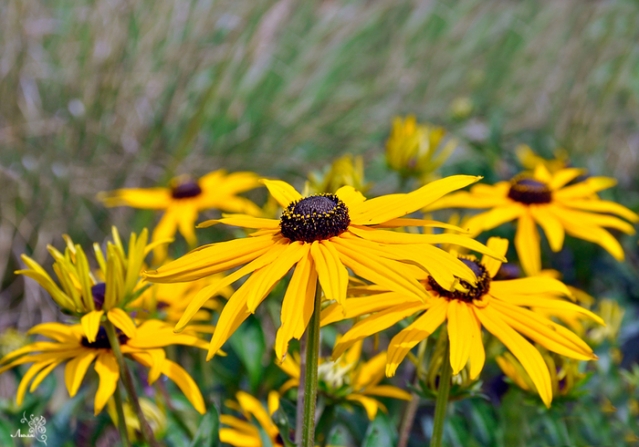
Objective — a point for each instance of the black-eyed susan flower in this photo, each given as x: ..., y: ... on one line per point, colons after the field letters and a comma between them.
x: 91, y: 296
x: 71, y: 346
x: 501, y: 307
x: 321, y: 236
x: 543, y: 198
x: 344, y: 171
x: 349, y: 379
x: 417, y: 150
x: 185, y: 198
x: 241, y: 432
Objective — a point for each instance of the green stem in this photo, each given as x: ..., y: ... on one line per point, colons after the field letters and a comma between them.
x: 442, y: 398
x: 127, y: 380
x: 119, y: 407
x: 411, y: 408
x: 310, y: 375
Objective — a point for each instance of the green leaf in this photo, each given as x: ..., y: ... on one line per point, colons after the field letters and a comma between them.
x: 248, y: 343
x: 380, y: 432
x: 208, y: 433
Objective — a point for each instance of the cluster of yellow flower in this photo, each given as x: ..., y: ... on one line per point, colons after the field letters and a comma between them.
x: 352, y: 258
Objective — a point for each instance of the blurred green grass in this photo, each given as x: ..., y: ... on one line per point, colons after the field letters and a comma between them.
x: 108, y: 93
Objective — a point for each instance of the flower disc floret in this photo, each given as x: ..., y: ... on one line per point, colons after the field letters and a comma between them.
x: 473, y: 292
x: 529, y: 191
x: 186, y: 190
x: 315, y: 218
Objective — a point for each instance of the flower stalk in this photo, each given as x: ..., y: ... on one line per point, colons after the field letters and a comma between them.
x: 127, y: 380
x: 310, y: 374
x: 119, y: 407
x: 411, y: 408
x: 442, y: 398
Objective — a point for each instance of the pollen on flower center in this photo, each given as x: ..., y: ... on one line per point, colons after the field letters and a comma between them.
x: 529, y: 191
x: 102, y: 340
x: 315, y: 218
x: 98, y: 291
x: 474, y: 292
x: 186, y: 190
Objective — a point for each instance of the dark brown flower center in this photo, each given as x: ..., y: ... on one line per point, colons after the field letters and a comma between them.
x: 529, y: 191
x: 98, y: 291
x: 186, y: 190
x: 315, y: 218
x: 474, y: 292
x: 102, y: 340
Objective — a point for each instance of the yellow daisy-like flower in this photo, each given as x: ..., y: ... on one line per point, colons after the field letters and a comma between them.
x: 153, y: 415
x: 89, y: 296
x: 348, y: 378
x: 543, y: 198
x: 185, y: 198
x: 241, y: 432
x: 416, y: 149
x: 70, y: 345
x: 321, y: 236
x: 167, y: 302
x: 499, y: 306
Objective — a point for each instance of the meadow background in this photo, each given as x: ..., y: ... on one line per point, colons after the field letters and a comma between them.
x: 96, y: 95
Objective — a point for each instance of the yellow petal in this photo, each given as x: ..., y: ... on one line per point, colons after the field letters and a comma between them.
x: 392, y: 206
x: 564, y: 177
x: 239, y: 220
x: 528, y: 356
x: 42, y: 375
x: 585, y: 189
x: 420, y: 329
x: 297, y: 306
x: 76, y: 369
x: 552, y: 226
x: 150, y: 198
x: 184, y: 381
x: 529, y: 286
x: 122, y: 321
x: 274, y: 271
x: 333, y: 276
x: 498, y: 246
x: 350, y: 196
x: 254, y: 407
x: 495, y: 217
x: 26, y: 379
x: 375, y: 323
x: 542, y: 174
x: 594, y: 234
x: 107, y: 368
x: 603, y: 206
x: 371, y: 372
x: 91, y: 324
x: 477, y: 352
x: 186, y: 215
x: 356, y: 307
x: 369, y: 404
x: 459, y: 334
x: 527, y: 244
x: 388, y: 391
x: 282, y: 192
x: 211, y: 259
x: 404, y: 222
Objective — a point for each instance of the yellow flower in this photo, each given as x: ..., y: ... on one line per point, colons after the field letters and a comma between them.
x: 90, y: 296
x: 345, y: 171
x: 349, y: 379
x: 498, y: 306
x: 530, y: 160
x: 416, y: 149
x: 153, y: 415
x: 185, y: 198
x: 564, y: 373
x: 321, y: 236
x: 544, y: 198
x: 242, y: 433
x: 167, y: 302
x: 70, y: 345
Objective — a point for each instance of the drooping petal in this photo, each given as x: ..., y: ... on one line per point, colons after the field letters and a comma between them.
x: 594, y: 234
x: 244, y: 221
x: 585, y: 189
x: 369, y: 404
x: 494, y: 218
x: 42, y: 375
x: 528, y: 356
x: 91, y: 324
x: 564, y: 177
x: 75, y: 370
x: 375, y: 323
x: 122, y: 321
x: 214, y: 258
x: 28, y: 376
x: 459, y: 334
x: 254, y: 407
x: 333, y: 276
x: 552, y: 226
x: 477, y: 352
x: 356, y: 307
x: 392, y: 206
x: 534, y: 285
x: 371, y: 372
x: 420, y: 329
x: 186, y: 215
x: 388, y: 391
x: 527, y: 244
x: 282, y: 192
x: 297, y: 306
x: 184, y: 381
x: 274, y: 271
x: 602, y: 206
x: 150, y: 198
x: 107, y: 368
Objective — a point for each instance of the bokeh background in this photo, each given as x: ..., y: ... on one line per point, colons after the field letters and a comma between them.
x: 101, y: 94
